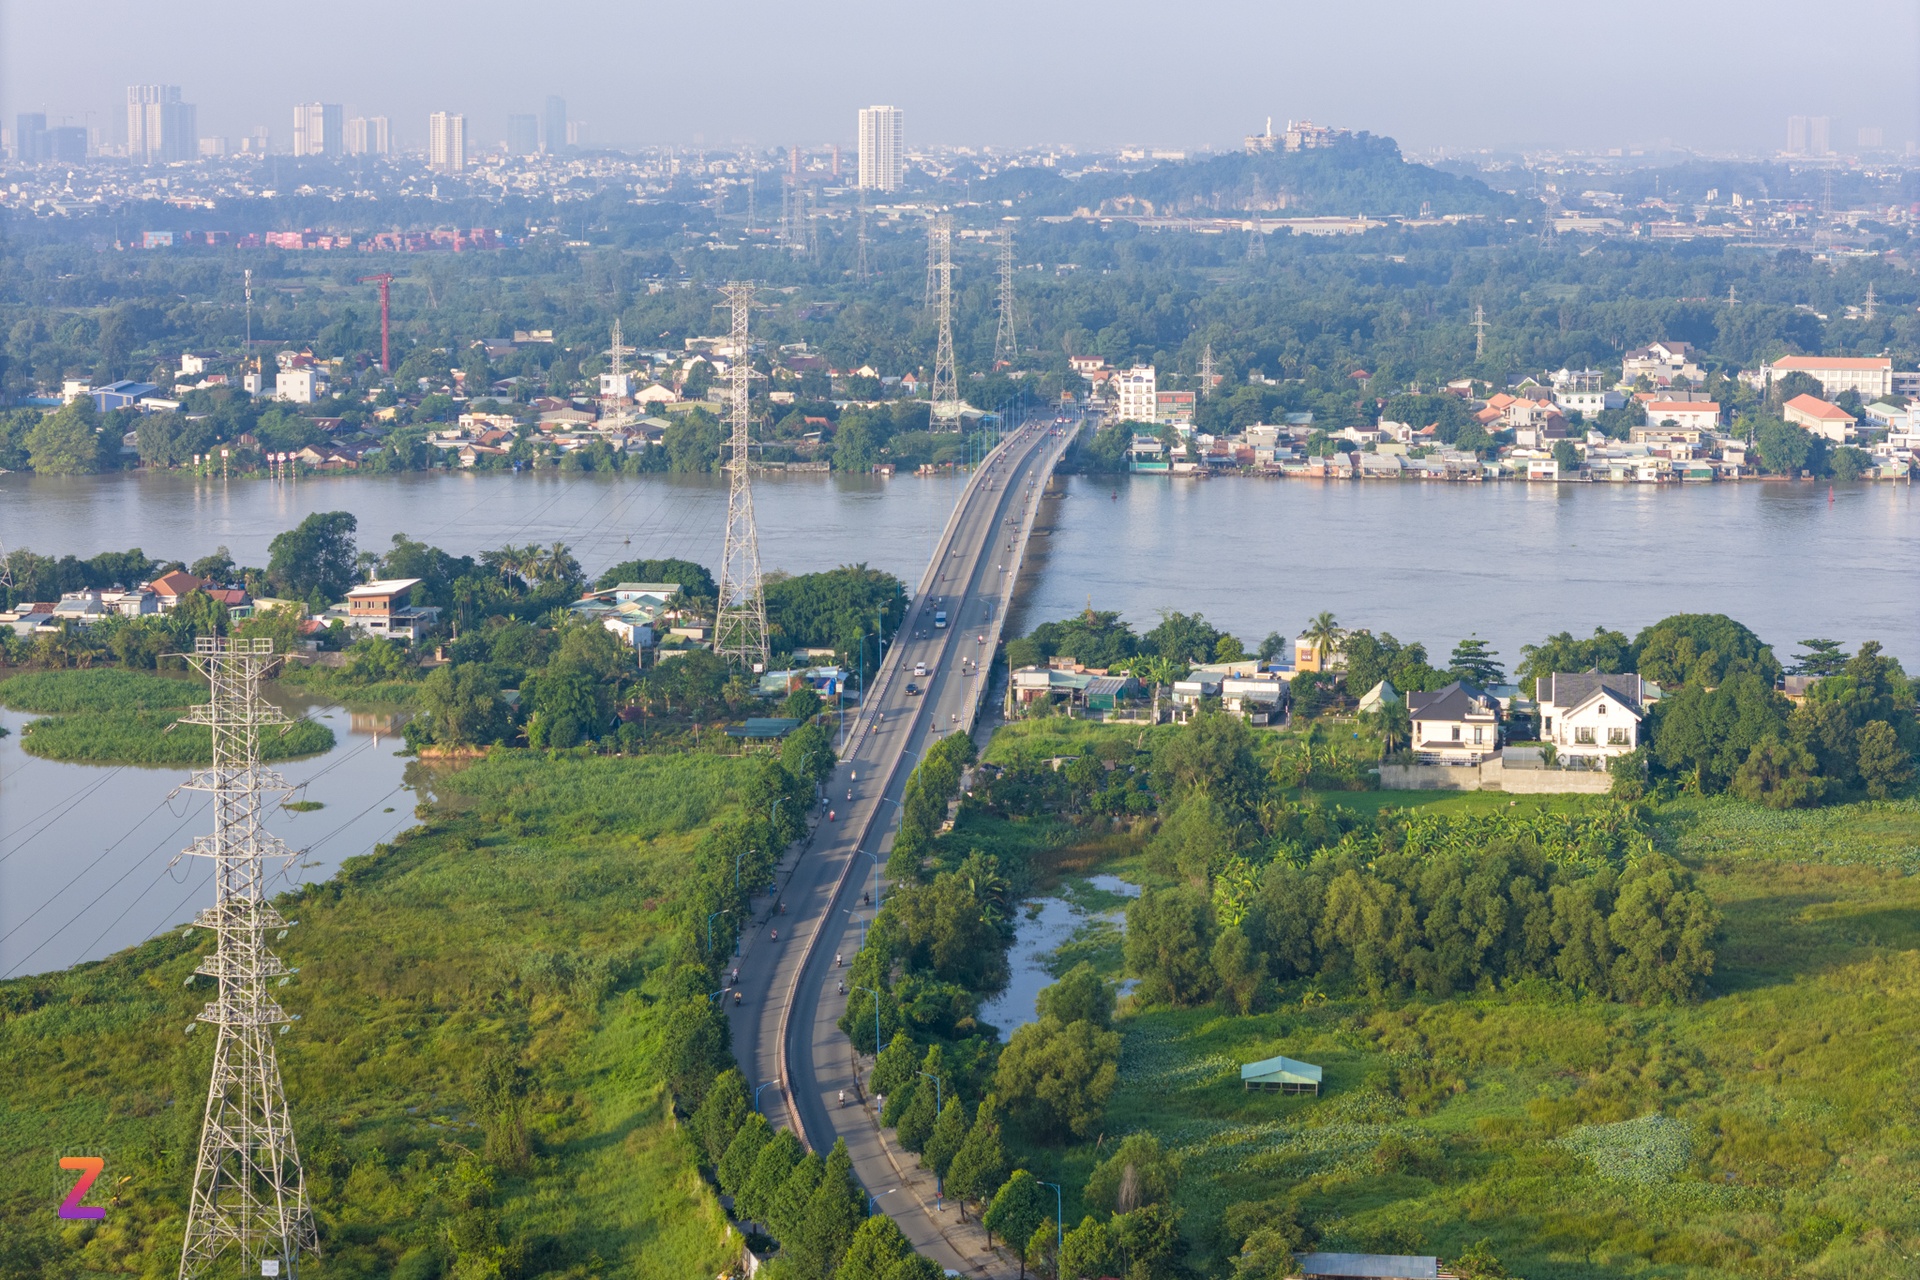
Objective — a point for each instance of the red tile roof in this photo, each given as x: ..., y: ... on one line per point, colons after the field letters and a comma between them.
x: 1815, y: 407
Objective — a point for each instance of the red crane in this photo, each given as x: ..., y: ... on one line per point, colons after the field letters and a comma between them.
x: 385, y: 281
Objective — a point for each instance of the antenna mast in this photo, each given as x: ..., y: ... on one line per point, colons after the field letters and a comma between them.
x: 740, y: 626
x: 1004, y: 340
x: 946, y: 382
x: 249, y: 1192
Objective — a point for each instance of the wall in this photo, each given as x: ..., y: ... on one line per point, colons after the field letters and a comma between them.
x: 1494, y: 776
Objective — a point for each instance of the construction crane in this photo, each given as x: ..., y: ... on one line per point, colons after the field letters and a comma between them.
x: 385, y: 281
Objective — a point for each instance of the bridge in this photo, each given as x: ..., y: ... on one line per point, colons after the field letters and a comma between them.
x: 785, y: 1034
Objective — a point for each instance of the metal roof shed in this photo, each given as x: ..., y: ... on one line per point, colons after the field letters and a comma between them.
x: 1366, y: 1266
x: 1283, y: 1074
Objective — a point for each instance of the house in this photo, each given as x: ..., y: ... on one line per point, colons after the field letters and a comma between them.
x: 301, y: 385
x: 1260, y: 698
x: 1820, y: 417
x: 1695, y: 415
x: 1306, y: 656
x: 1871, y: 376
x: 379, y: 608
x: 1591, y: 717
x: 1457, y: 724
x: 1660, y: 363
x: 194, y: 364
x: 170, y: 588
x: 1367, y: 1266
x: 120, y: 395
x: 1381, y: 695
x: 1282, y: 1075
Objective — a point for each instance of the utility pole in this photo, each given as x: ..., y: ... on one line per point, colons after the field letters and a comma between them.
x: 249, y: 1193
x: 740, y: 626
x: 1005, y: 341
x: 1206, y: 373
x: 861, y: 270
x: 385, y: 281
x: 1479, y: 331
x: 946, y: 381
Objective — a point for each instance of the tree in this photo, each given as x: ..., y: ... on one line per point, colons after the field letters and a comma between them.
x: 736, y: 1166
x: 776, y: 1160
x: 1566, y: 457
x: 1080, y: 995
x: 1139, y: 1172
x: 1708, y: 734
x: 1701, y: 648
x: 1167, y: 945
x: 915, y: 1123
x: 695, y: 581
x: 981, y: 1162
x: 1214, y: 752
x: 1822, y: 658
x: 949, y: 1132
x: 1605, y: 651
x: 1883, y: 763
x: 877, y: 1245
x: 67, y: 442
x: 1479, y: 1263
x: 1394, y: 723
x: 1019, y: 1206
x: 1473, y: 661
x: 317, y: 559
x: 1785, y: 449
x: 1779, y: 774
x: 1148, y: 1238
x: 1197, y: 838
x: 1182, y: 638
x: 1240, y: 975
x: 1324, y: 632
x: 1087, y: 1252
x: 894, y: 1069
x: 1663, y: 929
x: 721, y: 1114
x: 916, y: 1266
x: 693, y: 1049
x: 460, y: 705
x: 833, y: 1215
x: 1054, y: 1078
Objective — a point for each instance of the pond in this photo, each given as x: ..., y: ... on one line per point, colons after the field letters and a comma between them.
x: 87, y: 852
x: 1084, y: 921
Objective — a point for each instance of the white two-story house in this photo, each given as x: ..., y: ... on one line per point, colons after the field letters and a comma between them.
x: 1589, y: 717
x: 1458, y: 724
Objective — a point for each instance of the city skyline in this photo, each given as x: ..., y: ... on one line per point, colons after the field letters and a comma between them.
x: 1427, y: 85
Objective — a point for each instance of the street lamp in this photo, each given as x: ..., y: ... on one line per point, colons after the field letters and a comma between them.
x: 737, y: 858
x: 721, y: 912
x: 1059, y: 1220
x: 756, y: 1093
x: 876, y: 1019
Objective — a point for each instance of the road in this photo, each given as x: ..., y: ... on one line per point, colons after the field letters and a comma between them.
x: 784, y: 1031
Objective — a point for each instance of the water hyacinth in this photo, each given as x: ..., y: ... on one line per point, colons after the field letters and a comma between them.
x: 1650, y: 1149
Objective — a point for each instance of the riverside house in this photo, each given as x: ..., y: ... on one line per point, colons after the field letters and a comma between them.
x: 1458, y: 724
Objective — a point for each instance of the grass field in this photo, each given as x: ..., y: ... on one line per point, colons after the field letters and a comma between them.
x: 1767, y: 1131
x: 501, y: 930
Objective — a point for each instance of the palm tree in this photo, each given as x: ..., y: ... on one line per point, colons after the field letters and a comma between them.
x: 1393, y: 724
x: 1159, y: 671
x: 1325, y: 634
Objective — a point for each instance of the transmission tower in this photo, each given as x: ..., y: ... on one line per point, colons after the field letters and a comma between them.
x: 786, y: 213
x: 861, y: 268
x: 1479, y: 331
x: 813, y: 226
x: 1871, y: 300
x: 1733, y: 297
x: 1206, y: 373
x: 1005, y: 343
x: 946, y: 381
x: 740, y: 627
x: 249, y: 1193
x: 933, y: 256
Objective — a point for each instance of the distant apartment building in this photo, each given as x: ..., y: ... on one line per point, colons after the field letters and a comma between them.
x: 447, y: 142
x: 576, y: 134
x: 319, y: 129
x: 1138, y: 398
x: 882, y: 148
x: 161, y: 129
x: 34, y: 141
x: 1870, y: 376
x: 553, y: 132
x: 369, y: 136
x: 1809, y: 135
x: 523, y: 135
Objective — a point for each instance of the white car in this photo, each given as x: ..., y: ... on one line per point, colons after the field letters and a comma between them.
x: 920, y: 668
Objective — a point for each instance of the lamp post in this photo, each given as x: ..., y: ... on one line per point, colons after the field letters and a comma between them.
x: 1059, y: 1220
x: 756, y: 1093
x: 721, y: 912
x: 876, y: 1019
x: 737, y: 858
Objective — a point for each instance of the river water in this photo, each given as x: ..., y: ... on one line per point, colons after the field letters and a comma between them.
x: 1510, y: 562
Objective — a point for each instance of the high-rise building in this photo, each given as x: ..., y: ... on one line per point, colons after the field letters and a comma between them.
x: 30, y: 136
x: 447, y: 142
x: 66, y: 144
x: 160, y: 127
x: 576, y: 134
x: 368, y: 136
x: 1796, y: 135
x: 881, y: 148
x: 554, y: 124
x: 1819, y: 139
x: 1870, y: 137
x: 319, y: 129
x: 523, y: 135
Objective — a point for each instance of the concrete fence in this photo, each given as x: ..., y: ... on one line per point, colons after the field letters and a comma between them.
x: 1494, y: 776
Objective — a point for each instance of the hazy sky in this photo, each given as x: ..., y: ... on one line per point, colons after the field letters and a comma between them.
x: 1710, y: 74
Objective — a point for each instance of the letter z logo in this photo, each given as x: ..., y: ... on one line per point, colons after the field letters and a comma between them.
x: 90, y: 1167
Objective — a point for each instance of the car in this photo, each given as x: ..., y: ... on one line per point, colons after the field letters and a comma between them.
x: 920, y: 668
x: 913, y: 691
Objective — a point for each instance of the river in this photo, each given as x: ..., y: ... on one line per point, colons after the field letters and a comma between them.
x: 1432, y: 562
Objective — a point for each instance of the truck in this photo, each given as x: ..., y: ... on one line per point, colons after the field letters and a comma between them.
x: 939, y: 619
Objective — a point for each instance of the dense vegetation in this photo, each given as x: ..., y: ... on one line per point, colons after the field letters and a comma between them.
x: 127, y: 717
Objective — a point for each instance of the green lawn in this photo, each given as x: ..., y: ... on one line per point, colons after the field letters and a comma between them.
x: 504, y: 929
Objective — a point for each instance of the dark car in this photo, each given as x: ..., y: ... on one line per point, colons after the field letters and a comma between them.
x: 913, y: 690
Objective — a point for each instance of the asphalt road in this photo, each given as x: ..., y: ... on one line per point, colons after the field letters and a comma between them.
x: 784, y: 1031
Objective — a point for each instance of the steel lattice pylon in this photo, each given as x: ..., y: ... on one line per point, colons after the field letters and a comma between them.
x: 1005, y: 345
x: 946, y: 381
x: 860, y: 271
x: 740, y: 627
x: 249, y: 1192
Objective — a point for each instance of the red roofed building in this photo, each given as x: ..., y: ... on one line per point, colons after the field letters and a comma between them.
x: 1871, y: 376
x: 1821, y: 418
